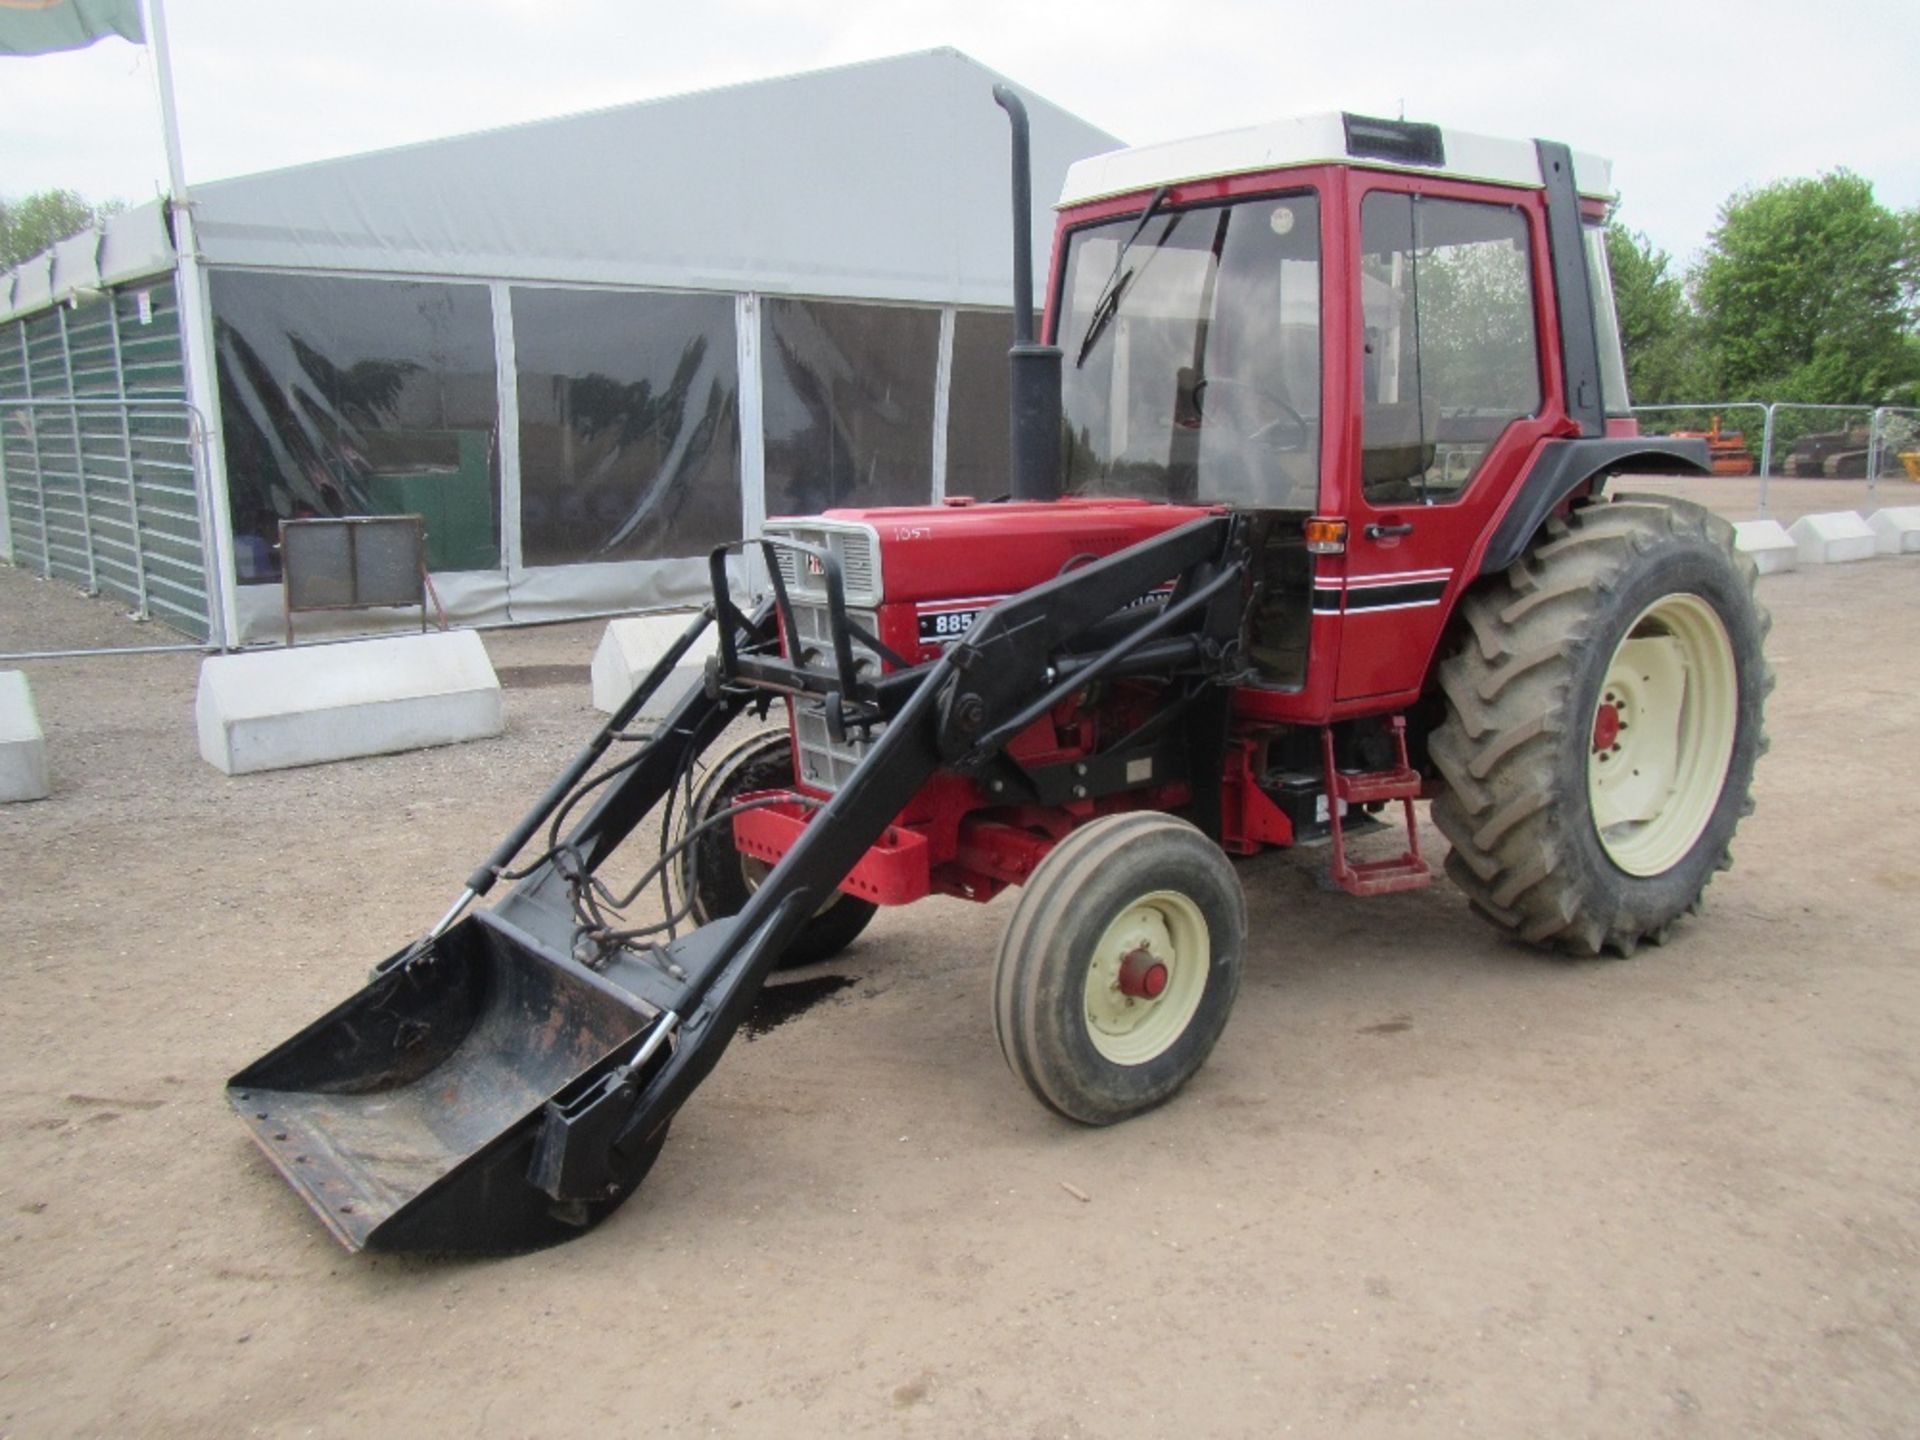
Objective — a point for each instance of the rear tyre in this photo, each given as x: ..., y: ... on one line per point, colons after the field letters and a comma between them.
x: 1120, y: 966
x: 723, y: 879
x: 1604, y: 716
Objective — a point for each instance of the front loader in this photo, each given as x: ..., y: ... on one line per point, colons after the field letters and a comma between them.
x: 1310, y: 517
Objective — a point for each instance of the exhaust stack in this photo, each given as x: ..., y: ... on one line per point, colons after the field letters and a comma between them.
x: 1034, y: 461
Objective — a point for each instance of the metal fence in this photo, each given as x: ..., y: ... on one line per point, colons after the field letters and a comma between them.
x: 108, y: 494
x: 102, y: 459
x: 1867, y: 443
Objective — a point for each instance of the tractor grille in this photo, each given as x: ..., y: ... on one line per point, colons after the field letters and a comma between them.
x: 823, y: 764
x: 856, y: 547
x: 813, y: 645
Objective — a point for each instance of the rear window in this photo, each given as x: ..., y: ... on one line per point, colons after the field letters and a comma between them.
x: 1606, y: 324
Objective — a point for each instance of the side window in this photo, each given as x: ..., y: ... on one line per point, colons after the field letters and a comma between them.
x: 1450, y: 357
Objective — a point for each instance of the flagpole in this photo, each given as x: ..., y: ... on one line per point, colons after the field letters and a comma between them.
x: 196, y: 335
x: 163, y: 81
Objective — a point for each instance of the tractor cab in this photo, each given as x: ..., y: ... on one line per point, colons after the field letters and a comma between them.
x: 1332, y: 317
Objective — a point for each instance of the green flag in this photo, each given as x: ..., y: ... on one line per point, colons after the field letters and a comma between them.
x: 35, y: 27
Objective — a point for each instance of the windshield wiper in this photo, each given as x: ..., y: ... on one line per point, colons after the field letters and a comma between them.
x: 1108, y: 305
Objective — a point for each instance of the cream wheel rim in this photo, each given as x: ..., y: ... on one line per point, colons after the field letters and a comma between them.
x: 1159, y: 938
x: 754, y: 872
x: 1661, y: 735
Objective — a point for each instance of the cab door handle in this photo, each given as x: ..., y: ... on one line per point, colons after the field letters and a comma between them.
x: 1381, y: 532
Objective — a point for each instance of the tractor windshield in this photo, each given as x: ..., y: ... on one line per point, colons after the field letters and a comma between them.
x: 1193, y: 355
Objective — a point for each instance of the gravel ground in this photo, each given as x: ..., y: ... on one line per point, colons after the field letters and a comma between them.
x: 1429, y: 1182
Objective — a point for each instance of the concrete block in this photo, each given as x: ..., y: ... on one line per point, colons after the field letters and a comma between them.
x: 274, y: 709
x: 629, y: 650
x: 1897, y: 528
x: 1830, y: 539
x: 1767, y: 544
x: 23, y: 748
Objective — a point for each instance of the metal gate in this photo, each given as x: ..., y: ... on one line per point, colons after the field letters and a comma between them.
x: 102, y: 457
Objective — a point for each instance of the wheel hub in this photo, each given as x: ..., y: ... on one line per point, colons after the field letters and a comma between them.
x: 1606, y: 727
x: 1143, y: 976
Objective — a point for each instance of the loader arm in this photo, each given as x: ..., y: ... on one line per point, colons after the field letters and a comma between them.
x: 1018, y: 643
x: 507, y: 1081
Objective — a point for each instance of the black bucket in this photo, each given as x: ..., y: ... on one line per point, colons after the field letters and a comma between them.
x: 408, y: 1116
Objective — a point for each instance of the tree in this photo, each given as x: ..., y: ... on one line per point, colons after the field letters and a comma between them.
x: 32, y: 224
x: 1806, y: 292
x: 1658, y: 329
x: 1910, y: 267
x: 1907, y: 393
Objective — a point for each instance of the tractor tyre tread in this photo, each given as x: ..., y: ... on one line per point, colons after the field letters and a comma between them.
x: 1040, y: 967
x: 1510, y: 752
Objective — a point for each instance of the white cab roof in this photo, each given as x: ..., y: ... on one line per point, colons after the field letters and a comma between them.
x: 1309, y: 140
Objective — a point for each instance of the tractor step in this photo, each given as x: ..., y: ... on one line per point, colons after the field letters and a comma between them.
x: 1406, y: 871
x: 1368, y: 787
x: 1384, y: 877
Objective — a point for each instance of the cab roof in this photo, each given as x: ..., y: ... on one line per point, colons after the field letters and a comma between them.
x: 1332, y: 138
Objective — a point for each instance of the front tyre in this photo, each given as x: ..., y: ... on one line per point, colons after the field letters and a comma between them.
x: 1604, y: 716
x: 1120, y: 966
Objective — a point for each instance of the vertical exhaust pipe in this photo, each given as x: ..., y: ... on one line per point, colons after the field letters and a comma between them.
x: 1034, y: 461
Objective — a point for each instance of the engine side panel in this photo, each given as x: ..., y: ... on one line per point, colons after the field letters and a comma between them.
x: 940, y: 565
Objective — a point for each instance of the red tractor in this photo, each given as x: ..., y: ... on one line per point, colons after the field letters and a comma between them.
x: 1313, y: 512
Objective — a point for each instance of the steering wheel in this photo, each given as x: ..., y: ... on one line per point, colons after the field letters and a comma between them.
x: 1252, y: 412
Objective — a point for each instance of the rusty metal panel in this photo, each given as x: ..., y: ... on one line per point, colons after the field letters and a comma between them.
x: 353, y: 563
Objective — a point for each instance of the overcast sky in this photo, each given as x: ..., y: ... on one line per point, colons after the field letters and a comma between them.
x: 1691, y: 100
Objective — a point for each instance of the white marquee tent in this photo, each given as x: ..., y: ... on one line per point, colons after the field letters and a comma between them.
x: 587, y: 349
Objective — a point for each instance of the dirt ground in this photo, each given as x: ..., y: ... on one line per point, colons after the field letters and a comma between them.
x: 1429, y: 1183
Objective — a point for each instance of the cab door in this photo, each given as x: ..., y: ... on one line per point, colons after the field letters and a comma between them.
x: 1452, y: 395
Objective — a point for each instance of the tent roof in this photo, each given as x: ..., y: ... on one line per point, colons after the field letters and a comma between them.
x: 129, y: 246
x: 883, y: 180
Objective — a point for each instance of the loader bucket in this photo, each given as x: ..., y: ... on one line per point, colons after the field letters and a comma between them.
x: 407, y: 1117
